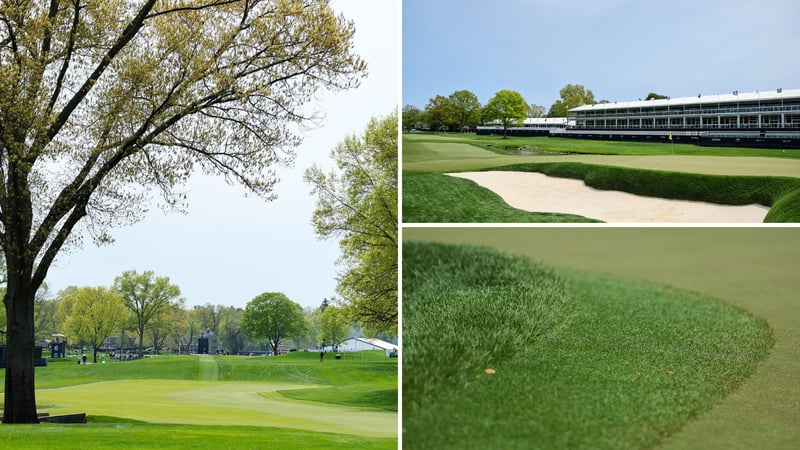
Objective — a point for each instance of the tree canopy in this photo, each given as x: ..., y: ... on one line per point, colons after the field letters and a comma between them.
x: 535, y: 110
x: 104, y: 101
x: 333, y: 324
x: 273, y: 317
x: 465, y: 110
x: 572, y: 96
x: 146, y: 296
x: 508, y: 107
x: 654, y: 96
x: 358, y: 204
x: 412, y: 116
x: 96, y: 313
x: 438, y: 113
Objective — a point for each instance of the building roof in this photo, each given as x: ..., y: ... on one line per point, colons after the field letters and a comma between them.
x: 538, y: 121
x: 545, y: 120
x: 700, y: 99
x: 375, y: 342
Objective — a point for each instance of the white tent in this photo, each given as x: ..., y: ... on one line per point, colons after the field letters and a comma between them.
x: 359, y: 344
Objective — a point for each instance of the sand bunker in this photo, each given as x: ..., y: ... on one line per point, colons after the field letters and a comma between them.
x: 540, y: 193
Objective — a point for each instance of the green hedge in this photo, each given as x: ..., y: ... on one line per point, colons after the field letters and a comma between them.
x: 780, y: 193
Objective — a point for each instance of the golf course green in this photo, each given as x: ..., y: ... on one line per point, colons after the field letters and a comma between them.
x: 290, y: 401
x: 729, y: 176
x: 698, y: 280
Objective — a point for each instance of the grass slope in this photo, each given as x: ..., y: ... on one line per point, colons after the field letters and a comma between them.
x: 434, y: 197
x: 751, y: 268
x: 159, y: 397
x: 629, y: 364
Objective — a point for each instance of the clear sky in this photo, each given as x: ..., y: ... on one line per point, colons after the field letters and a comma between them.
x: 229, y: 248
x: 620, y: 49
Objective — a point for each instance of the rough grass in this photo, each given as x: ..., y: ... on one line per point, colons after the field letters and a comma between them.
x: 434, y: 197
x: 633, y: 362
x: 466, y: 309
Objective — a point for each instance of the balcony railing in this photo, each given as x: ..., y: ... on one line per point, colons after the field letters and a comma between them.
x: 777, y: 109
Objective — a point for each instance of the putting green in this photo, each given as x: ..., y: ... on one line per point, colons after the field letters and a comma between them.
x: 214, y: 403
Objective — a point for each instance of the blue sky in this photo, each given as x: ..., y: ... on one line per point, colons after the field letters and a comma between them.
x: 620, y: 49
x: 230, y: 248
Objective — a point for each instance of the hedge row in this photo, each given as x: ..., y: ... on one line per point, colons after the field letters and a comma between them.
x: 782, y: 194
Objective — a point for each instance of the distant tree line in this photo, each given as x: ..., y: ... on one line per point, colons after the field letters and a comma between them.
x: 461, y: 110
x: 150, y: 309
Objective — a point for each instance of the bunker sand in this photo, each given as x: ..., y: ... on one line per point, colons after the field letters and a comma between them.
x: 215, y: 403
x: 540, y: 193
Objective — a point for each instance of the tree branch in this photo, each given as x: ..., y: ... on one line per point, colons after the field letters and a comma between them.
x: 67, y: 57
x: 127, y: 35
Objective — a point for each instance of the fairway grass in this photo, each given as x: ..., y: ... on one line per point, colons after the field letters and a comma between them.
x: 751, y: 268
x: 214, y: 403
x: 218, y: 402
x: 424, y: 153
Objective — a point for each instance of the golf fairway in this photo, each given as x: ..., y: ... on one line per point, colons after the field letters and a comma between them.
x: 214, y: 403
x: 459, y: 157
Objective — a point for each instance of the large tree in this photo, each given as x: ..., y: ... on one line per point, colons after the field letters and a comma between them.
x: 465, y: 109
x: 231, y: 333
x: 412, y: 116
x: 163, y: 324
x: 96, y: 314
x: 572, y: 96
x: 334, y: 324
x: 507, y: 107
x: 147, y: 297
x: 535, y: 110
x: 273, y: 317
x: 438, y: 113
x: 358, y: 204
x: 103, y: 101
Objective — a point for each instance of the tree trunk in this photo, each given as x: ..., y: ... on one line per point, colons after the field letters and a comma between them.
x: 20, y: 393
x: 94, y: 355
x: 141, y: 341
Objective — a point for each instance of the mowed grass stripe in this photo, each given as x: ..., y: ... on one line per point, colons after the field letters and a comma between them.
x: 752, y: 268
x: 511, y: 145
x: 209, y: 368
x: 462, y: 157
